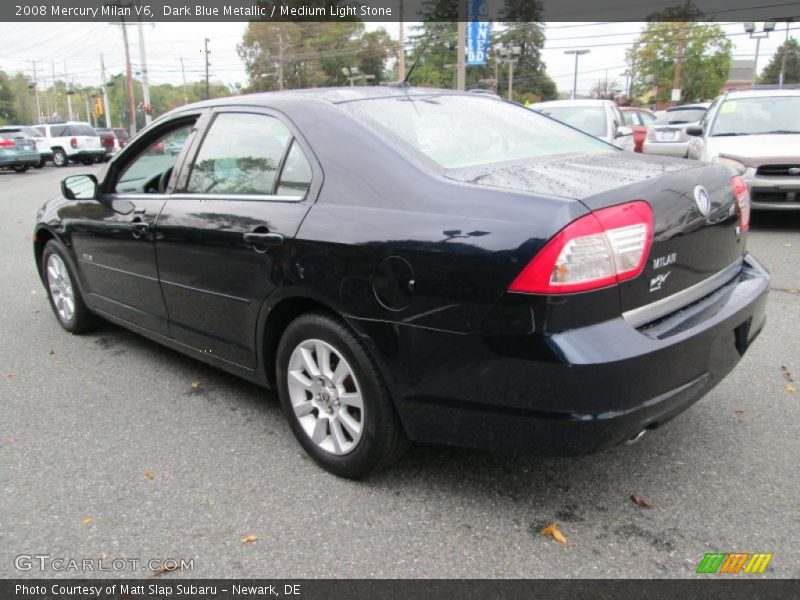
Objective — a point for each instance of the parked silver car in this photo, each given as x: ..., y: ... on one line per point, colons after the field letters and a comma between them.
x: 667, y: 134
x: 757, y: 133
x: 600, y: 118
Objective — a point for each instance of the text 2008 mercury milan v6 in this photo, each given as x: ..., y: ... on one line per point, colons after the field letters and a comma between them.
x: 408, y: 264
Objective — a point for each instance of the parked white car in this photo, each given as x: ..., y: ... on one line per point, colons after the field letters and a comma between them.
x: 757, y: 134
x: 72, y: 141
x: 600, y: 118
x: 667, y: 134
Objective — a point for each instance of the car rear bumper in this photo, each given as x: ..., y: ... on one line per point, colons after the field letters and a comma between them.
x: 574, y: 392
x: 19, y: 159
x: 673, y: 149
x: 87, y: 153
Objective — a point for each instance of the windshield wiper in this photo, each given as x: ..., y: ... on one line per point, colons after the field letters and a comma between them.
x: 779, y: 131
x: 730, y: 133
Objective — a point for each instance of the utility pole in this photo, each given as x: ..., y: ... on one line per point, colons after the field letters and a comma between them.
x: 461, y: 46
x: 401, y: 47
x: 129, y: 75
x: 577, y: 53
x: 676, y: 80
x: 508, y: 54
x: 145, y: 87
x: 55, y: 91
x: 280, y: 61
x: 183, y: 76
x: 68, y: 86
x: 104, y: 88
x: 353, y: 75
x: 36, y: 93
x: 208, y: 92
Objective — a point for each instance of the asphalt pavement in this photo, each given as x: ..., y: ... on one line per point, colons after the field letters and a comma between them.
x: 113, y: 447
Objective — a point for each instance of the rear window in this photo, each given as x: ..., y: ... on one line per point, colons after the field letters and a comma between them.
x: 680, y: 116
x: 30, y: 131
x: 462, y: 131
x: 82, y: 130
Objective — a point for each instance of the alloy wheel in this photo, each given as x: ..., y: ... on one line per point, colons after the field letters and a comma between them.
x: 60, y: 285
x: 326, y: 397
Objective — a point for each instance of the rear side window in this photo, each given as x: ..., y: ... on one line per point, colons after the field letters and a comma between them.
x: 42, y: 131
x: 296, y: 175
x: 631, y: 118
x: 240, y: 154
x: 58, y: 130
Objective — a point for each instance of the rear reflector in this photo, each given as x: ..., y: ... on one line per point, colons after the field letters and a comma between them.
x: 600, y: 249
x: 742, y: 193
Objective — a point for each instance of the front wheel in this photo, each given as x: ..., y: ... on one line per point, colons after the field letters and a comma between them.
x: 60, y: 158
x: 65, y: 297
x: 335, y: 399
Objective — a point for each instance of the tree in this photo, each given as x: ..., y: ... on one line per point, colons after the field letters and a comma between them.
x: 7, y: 114
x: 771, y: 74
x: 706, y: 63
x: 606, y: 89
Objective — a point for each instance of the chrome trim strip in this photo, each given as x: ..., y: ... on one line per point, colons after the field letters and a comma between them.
x: 651, y: 312
x: 243, y: 197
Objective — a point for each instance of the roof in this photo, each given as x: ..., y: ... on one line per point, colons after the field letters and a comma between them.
x: 557, y: 103
x: 756, y: 93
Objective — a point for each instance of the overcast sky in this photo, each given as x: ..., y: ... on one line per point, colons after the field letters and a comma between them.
x: 75, y: 48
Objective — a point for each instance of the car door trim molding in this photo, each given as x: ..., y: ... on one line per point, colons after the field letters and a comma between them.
x: 650, y: 312
x: 205, y: 291
x: 243, y: 197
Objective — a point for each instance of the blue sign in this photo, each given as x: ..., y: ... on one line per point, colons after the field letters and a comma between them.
x: 479, y: 31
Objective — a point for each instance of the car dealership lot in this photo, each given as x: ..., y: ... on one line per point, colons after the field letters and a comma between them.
x: 82, y: 419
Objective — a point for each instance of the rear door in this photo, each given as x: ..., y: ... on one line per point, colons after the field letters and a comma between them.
x: 224, y: 239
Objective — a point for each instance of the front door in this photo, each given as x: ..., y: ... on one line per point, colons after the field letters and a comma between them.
x: 224, y: 237
x: 114, y: 241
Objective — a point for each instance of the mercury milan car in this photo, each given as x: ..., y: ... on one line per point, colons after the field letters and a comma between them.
x: 600, y: 118
x: 757, y: 134
x: 410, y: 264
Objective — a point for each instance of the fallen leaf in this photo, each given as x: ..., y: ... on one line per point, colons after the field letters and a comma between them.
x: 33, y: 292
x: 640, y: 502
x: 37, y: 311
x: 11, y: 375
x: 149, y: 474
x: 195, y: 385
x: 740, y: 411
x: 787, y: 245
x: 249, y: 539
x: 786, y: 374
x: 790, y: 388
x: 172, y: 566
x: 793, y: 291
x: 52, y: 351
x: 553, y: 532
x: 86, y: 521
x: 10, y: 440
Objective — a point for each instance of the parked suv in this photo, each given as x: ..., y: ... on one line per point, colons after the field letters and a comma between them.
x: 72, y: 141
x: 756, y: 133
x: 600, y: 118
x: 45, y: 153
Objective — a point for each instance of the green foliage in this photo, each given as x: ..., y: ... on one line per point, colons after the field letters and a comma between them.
x: 771, y: 74
x: 312, y: 54
x: 706, y: 61
x: 7, y: 112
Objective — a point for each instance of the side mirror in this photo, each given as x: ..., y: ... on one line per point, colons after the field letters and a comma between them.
x: 79, y: 187
x: 622, y: 131
x: 694, y: 130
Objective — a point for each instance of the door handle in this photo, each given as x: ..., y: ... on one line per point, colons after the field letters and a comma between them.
x: 264, y: 238
x: 139, y: 226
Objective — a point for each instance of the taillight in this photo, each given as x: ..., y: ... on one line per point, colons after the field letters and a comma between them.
x: 600, y: 249
x: 73, y: 142
x: 742, y: 193
x: 6, y: 143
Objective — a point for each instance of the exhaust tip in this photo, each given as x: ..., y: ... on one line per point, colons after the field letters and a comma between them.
x: 636, y: 438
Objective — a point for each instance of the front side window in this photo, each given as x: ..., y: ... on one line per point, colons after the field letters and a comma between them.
x: 240, y: 154
x: 151, y: 169
x: 462, y: 131
x: 631, y: 118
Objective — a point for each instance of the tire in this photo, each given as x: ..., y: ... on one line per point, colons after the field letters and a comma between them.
x: 60, y: 158
x: 21, y: 168
x: 42, y: 162
x: 365, y: 440
x: 63, y: 293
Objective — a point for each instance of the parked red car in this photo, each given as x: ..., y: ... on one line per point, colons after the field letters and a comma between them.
x: 637, y: 119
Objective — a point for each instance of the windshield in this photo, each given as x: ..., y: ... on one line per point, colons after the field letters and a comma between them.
x: 461, y: 131
x: 591, y: 119
x: 680, y: 115
x: 752, y: 116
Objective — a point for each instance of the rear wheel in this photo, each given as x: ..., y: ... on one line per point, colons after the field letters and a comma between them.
x: 21, y: 168
x: 335, y: 399
x: 65, y: 297
x: 60, y: 158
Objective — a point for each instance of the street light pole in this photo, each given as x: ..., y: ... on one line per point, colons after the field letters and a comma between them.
x: 756, y: 34
x: 577, y: 53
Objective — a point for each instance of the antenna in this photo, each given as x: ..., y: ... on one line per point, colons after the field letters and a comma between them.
x: 419, y: 57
